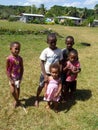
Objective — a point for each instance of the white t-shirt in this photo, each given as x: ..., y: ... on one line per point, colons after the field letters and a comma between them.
x: 51, y: 56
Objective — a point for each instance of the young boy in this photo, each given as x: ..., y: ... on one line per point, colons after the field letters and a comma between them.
x: 50, y: 55
x: 69, y: 42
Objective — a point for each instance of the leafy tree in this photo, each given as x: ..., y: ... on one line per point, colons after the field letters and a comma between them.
x: 42, y: 9
x: 34, y: 9
x: 96, y: 11
x: 72, y: 11
x: 56, y: 11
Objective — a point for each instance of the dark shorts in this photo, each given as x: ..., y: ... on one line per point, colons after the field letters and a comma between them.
x: 71, y: 86
x: 63, y: 77
x: 42, y: 81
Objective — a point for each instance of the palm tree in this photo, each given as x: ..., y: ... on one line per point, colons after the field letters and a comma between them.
x: 33, y: 9
x: 42, y: 9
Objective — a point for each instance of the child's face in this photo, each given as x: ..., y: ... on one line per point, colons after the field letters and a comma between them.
x: 15, y: 49
x: 69, y: 43
x: 54, y: 73
x: 72, y: 57
x: 52, y: 43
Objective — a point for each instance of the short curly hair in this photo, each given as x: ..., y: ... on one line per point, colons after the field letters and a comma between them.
x: 56, y: 66
x: 12, y: 44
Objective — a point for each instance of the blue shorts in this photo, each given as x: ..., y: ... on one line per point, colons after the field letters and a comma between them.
x: 41, y: 80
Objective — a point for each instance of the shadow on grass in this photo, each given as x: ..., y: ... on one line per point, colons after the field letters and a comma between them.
x: 30, y: 101
x: 81, y: 95
x: 85, y: 44
x: 66, y: 106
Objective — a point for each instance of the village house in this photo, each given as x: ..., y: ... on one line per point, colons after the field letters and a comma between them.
x: 76, y: 20
x: 95, y: 22
x: 25, y: 17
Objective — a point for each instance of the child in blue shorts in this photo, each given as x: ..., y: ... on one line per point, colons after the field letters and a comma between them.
x: 49, y: 55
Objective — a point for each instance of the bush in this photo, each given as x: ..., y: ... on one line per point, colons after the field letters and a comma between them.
x: 68, y: 22
x: 13, y: 18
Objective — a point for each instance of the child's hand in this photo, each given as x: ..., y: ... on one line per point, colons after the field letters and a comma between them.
x: 45, y: 78
x: 65, y: 68
x: 19, y: 81
x: 76, y: 70
x: 12, y: 82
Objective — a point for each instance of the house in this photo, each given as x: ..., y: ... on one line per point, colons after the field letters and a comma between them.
x: 95, y: 22
x: 25, y: 17
x: 76, y: 20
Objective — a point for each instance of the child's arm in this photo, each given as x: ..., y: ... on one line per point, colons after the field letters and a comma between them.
x: 59, y: 90
x: 60, y: 62
x: 66, y: 67
x: 8, y: 71
x: 43, y: 70
x: 21, y: 69
x: 77, y: 70
x: 45, y: 88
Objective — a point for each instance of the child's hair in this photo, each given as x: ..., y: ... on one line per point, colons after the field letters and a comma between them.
x: 51, y: 35
x: 73, y: 52
x: 56, y: 66
x: 71, y: 37
x: 12, y: 44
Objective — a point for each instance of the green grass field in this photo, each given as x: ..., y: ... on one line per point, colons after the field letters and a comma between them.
x: 79, y: 115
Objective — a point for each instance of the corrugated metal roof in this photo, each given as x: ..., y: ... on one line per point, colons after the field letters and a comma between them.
x: 95, y: 20
x: 69, y: 17
x: 38, y: 15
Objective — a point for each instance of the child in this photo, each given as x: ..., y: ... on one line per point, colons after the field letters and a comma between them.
x: 14, y: 70
x: 50, y: 55
x: 69, y: 42
x: 72, y: 69
x: 53, y: 86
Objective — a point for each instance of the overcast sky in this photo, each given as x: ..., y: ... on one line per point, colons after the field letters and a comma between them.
x: 49, y: 3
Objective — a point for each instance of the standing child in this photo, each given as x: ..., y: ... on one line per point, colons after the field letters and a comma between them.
x: 49, y: 55
x: 53, y: 87
x: 14, y: 70
x: 69, y: 42
x: 72, y: 69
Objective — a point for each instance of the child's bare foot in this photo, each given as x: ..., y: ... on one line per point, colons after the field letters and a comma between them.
x: 16, y: 104
x: 36, y: 103
x: 47, y: 107
x: 56, y: 111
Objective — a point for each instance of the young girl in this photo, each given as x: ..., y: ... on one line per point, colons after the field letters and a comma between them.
x: 53, y: 86
x: 14, y: 70
x: 72, y: 69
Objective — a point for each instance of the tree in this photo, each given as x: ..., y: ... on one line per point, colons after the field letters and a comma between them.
x: 55, y: 11
x: 42, y: 9
x: 96, y: 11
x: 73, y: 12
x: 34, y: 9
x: 84, y: 13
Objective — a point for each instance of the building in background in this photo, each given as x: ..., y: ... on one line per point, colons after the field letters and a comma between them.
x: 25, y: 17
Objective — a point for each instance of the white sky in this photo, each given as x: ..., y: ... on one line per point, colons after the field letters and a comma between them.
x: 50, y: 3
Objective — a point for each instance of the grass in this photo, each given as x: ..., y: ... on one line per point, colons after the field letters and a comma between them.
x: 79, y: 115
